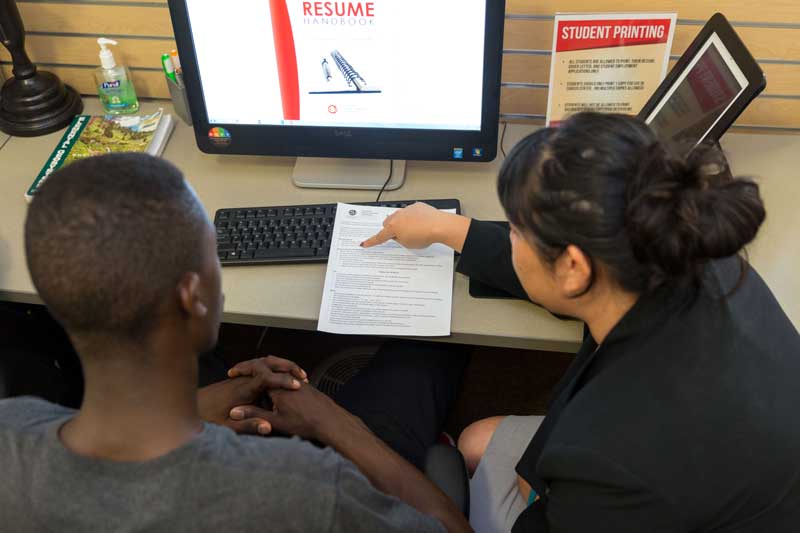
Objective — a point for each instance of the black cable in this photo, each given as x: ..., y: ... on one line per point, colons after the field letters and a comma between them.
x: 391, y: 169
x: 5, y: 142
x: 503, y: 138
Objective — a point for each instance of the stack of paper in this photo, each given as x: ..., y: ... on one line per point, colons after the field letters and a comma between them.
x: 385, y: 290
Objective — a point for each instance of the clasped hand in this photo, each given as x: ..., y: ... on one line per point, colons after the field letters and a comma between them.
x: 247, y: 383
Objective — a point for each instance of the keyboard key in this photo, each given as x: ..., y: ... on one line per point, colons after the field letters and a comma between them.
x: 283, y: 253
x: 222, y: 255
x: 247, y: 255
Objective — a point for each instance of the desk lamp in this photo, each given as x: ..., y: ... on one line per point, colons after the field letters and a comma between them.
x: 32, y: 102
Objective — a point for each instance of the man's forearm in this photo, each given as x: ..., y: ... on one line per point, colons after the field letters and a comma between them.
x: 390, y: 473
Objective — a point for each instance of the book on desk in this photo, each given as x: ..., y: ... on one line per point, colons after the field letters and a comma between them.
x: 89, y: 136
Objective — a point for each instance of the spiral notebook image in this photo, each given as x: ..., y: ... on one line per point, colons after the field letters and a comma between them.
x: 340, y: 77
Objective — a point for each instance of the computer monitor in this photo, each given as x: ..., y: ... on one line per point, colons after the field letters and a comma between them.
x: 709, y: 87
x: 363, y: 81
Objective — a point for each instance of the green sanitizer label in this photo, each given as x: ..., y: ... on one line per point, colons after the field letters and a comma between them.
x: 117, y: 94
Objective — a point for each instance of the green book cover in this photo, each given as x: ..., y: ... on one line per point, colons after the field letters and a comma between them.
x: 88, y: 136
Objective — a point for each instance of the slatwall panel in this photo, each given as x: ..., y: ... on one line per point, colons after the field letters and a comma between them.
x: 61, y: 38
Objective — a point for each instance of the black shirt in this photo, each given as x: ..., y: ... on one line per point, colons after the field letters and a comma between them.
x: 684, y: 419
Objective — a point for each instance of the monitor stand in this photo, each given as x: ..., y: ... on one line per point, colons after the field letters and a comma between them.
x: 334, y: 173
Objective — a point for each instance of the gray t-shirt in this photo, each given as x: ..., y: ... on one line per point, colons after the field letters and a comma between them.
x: 217, y: 482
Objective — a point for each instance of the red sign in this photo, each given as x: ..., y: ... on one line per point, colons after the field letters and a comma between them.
x: 590, y: 34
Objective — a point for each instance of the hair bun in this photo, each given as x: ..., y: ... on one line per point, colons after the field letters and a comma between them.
x: 680, y: 214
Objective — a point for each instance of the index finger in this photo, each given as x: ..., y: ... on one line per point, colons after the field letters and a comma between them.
x: 248, y: 389
x: 279, y: 364
x: 379, y: 238
x: 244, y: 368
x: 265, y: 365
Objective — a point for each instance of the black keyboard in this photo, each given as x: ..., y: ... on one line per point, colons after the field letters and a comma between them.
x: 287, y: 233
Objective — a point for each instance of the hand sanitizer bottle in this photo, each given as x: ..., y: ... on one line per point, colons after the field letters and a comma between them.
x: 114, y: 85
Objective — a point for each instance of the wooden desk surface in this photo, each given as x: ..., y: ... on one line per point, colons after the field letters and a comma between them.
x: 290, y: 295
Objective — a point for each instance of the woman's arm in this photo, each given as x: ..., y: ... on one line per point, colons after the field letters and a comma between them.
x: 486, y: 257
x: 420, y: 225
x: 485, y: 247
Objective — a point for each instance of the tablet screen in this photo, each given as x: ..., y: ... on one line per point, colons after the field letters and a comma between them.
x: 702, y: 94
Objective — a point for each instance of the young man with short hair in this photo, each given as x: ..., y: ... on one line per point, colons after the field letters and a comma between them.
x: 123, y: 254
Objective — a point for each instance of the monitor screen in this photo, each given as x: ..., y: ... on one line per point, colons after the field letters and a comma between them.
x: 700, y: 96
x: 410, y: 64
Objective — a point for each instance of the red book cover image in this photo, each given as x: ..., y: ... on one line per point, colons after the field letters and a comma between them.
x: 592, y: 34
x: 286, y: 58
x: 712, y: 82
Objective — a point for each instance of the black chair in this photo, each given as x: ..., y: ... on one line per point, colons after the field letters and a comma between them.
x: 4, y: 392
x: 36, y: 357
x: 445, y: 466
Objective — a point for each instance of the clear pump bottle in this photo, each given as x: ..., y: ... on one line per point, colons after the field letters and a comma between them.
x: 114, y: 84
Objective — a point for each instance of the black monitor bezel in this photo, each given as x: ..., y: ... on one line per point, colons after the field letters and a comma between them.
x: 756, y: 79
x: 368, y: 143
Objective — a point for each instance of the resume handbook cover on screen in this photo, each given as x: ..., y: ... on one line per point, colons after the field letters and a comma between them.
x: 377, y: 63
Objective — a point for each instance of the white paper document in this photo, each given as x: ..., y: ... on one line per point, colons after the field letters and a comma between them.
x: 387, y: 289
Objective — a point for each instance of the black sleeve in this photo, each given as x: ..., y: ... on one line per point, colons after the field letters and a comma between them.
x: 486, y: 257
x: 591, y: 493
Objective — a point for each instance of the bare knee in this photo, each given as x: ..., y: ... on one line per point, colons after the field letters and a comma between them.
x: 474, y: 440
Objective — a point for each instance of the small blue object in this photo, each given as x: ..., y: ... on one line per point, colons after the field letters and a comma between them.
x: 458, y: 153
x: 477, y: 152
x: 532, y: 498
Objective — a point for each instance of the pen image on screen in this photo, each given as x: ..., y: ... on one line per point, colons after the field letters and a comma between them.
x: 355, y: 83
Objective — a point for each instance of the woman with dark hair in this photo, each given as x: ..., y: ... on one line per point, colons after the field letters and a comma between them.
x: 679, y: 412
